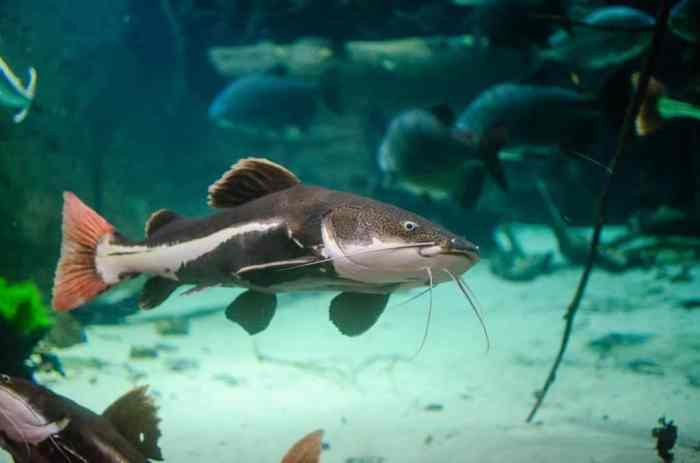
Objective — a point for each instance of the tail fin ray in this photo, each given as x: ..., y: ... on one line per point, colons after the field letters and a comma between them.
x: 77, y: 279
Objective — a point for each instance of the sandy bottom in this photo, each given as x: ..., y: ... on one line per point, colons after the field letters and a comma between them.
x: 227, y: 397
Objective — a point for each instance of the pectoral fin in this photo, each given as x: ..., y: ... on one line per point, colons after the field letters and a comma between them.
x: 355, y: 313
x: 252, y: 310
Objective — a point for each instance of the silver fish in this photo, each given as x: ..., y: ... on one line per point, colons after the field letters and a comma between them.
x: 14, y: 94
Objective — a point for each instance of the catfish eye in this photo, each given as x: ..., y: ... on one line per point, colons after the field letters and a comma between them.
x: 4, y: 379
x: 408, y: 225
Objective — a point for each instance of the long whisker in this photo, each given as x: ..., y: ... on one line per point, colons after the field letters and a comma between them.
x: 473, y: 302
x: 58, y: 447
x: 429, y: 316
x: 365, y: 251
x: 73, y: 452
x: 411, y: 299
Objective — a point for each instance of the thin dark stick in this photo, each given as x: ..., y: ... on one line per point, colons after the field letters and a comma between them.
x: 632, y: 110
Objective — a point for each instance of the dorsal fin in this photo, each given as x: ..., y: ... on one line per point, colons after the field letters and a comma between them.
x: 159, y: 219
x: 249, y: 179
x: 134, y: 416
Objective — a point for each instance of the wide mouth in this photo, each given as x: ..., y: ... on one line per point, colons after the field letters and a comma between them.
x: 453, y: 247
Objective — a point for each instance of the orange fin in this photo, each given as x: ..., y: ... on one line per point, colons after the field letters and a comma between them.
x: 648, y: 119
x: 77, y: 280
x: 307, y: 450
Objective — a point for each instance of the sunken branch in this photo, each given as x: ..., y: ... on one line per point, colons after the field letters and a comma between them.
x: 632, y: 110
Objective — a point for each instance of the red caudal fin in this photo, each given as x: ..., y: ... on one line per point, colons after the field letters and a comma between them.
x: 77, y: 280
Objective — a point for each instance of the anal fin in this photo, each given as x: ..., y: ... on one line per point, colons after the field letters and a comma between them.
x: 252, y: 310
x: 355, y: 313
x: 156, y: 291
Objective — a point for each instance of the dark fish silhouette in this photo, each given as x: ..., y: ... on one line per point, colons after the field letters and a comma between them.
x: 269, y: 103
x: 531, y: 117
x: 420, y: 153
x: 596, y: 48
x: 684, y: 20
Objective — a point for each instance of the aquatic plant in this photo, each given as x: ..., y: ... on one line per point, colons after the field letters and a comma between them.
x: 24, y: 320
x: 22, y: 308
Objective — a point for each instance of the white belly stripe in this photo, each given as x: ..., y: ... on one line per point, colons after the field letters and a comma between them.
x: 113, y: 260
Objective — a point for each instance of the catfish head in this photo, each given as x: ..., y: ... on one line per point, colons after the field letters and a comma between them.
x: 380, y: 244
x: 20, y: 419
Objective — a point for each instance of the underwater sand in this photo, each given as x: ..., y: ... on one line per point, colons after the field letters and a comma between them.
x: 233, y: 407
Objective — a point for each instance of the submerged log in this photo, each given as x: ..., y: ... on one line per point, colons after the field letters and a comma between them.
x: 311, y: 57
x: 431, y: 69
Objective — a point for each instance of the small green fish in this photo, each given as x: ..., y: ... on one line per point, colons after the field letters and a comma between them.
x: 13, y: 94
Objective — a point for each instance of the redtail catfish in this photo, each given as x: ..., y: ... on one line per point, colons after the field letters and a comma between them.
x: 40, y: 426
x: 271, y: 234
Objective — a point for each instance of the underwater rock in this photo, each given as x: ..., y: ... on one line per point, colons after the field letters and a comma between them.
x: 666, y: 435
x: 66, y: 332
x: 46, y: 362
x: 228, y: 379
x: 693, y: 375
x: 510, y: 262
x: 574, y: 247
x: 143, y: 352
x: 690, y: 304
x: 173, y: 327
x: 182, y: 364
x: 614, y: 341
x: 434, y: 407
x: 666, y: 221
x: 646, y: 366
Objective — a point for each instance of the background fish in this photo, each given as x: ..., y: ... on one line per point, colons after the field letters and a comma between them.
x: 272, y: 234
x: 267, y: 102
x: 420, y: 153
x: 684, y: 20
x: 594, y: 49
x: 14, y: 94
x: 531, y: 117
x: 40, y: 426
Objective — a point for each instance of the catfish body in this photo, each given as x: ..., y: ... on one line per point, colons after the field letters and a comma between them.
x: 127, y: 432
x: 530, y: 117
x: 272, y: 234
